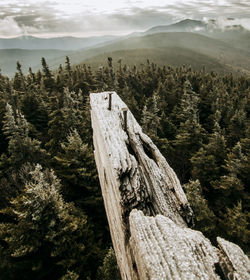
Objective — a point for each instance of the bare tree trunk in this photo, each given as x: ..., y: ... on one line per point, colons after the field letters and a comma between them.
x: 146, y: 207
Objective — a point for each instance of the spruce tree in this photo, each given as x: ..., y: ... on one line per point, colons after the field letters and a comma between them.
x: 207, y: 163
x: 150, y: 119
x: 190, y: 134
x: 66, y: 114
x: 21, y: 147
x: 46, y: 236
x: 47, y: 78
x: 205, y: 219
x: 79, y: 175
x: 235, y: 226
x: 230, y: 186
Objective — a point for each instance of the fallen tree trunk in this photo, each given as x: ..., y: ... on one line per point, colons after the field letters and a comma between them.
x: 146, y: 207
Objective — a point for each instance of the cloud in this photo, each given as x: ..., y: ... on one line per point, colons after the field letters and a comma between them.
x: 245, y: 22
x: 28, y: 18
x: 137, y: 18
x: 34, y: 19
x: 84, y: 18
x: 223, y: 22
x: 9, y: 27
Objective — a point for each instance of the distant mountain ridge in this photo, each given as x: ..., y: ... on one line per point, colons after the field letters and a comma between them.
x: 27, y: 58
x: 187, y: 25
x: 234, y: 34
x: 60, y: 43
x: 189, y: 41
x: 170, y: 48
x: 190, y: 25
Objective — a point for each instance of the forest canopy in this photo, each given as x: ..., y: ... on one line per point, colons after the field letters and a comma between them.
x: 52, y: 218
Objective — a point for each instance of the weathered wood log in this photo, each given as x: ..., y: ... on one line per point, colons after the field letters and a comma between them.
x: 164, y: 250
x: 146, y: 207
x: 167, y: 251
x: 234, y: 263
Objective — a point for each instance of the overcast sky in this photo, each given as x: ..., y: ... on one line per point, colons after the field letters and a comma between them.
x: 98, y: 17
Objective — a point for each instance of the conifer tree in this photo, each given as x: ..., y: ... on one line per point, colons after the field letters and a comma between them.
x: 109, y: 269
x: 79, y: 175
x: 35, y: 110
x: 32, y: 76
x: 46, y: 70
x: 244, y: 173
x: 235, y: 226
x: 68, y: 66
x: 21, y: 148
x: 47, y: 236
x: 190, y: 135
x: 80, y: 182
x: 38, y: 77
x: 66, y: 114
x: 187, y: 132
x: 150, y: 119
x: 48, y: 80
x: 237, y: 126
x: 19, y: 79
x: 199, y: 120
x: 230, y: 185
x: 208, y: 162
x: 205, y: 219
x: 189, y: 104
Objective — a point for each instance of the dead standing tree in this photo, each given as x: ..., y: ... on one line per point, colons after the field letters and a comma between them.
x: 146, y: 207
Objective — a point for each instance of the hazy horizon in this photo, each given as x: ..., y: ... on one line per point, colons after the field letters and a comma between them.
x: 55, y: 18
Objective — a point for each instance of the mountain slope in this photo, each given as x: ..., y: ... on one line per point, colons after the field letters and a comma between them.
x: 235, y: 35
x: 236, y: 38
x: 213, y: 49
x: 27, y: 58
x: 174, y: 48
x: 186, y: 25
x: 165, y: 56
x: 61, y: 43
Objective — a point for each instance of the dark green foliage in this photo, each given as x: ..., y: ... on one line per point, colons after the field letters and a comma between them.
x: 235, y: 224
x: 53, y: 223
x: 47, y: 80
x: 109, y: 270
x: 208, y: 161
x: 35, y: 111
x: 150, y: 120
x: 43, y: 224
x: 230, y: 186
x: 70, y: 276
x: 21, y: 147
x: 76, y: 167
x: 205, y: 219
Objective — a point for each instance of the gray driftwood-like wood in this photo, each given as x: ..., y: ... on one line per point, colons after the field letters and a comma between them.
x: 164, y: 250
x: 147, y: 210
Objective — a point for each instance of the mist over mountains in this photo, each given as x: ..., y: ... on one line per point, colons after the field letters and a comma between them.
x: 59, y: 43
x: 222, y: 47
x: 209, y: 26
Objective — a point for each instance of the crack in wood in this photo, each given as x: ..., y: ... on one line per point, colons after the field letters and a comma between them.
x: 147, y: 209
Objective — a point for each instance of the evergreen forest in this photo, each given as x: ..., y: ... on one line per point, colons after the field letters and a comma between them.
x: 52, y: 219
